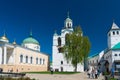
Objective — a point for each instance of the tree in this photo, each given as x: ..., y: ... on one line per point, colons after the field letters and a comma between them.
x: 77, y: 47
x: 86, y: 49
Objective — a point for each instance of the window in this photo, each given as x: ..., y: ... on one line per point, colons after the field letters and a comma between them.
x: 113, y: 33
x: 97, y: 61
x: 59, y: 41
x: 21, y: 58
x: 26, y: 59
x: 115, y: 54
x: 60, y: 50
x: 43, y: 61
x: 67, y: 62
x: 36, y: 60
x: 117, y: 32
x: 31, y: 60
x: 61, y: 62
x: 37, y: 47
x: 119, y: 54
x: 40, y: 61
x: 68, y: 25
x: 109, y: 34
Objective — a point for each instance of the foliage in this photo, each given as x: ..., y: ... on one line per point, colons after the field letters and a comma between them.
x: 77, y: 47
x: 21, y: 78
x: 106, y: 73
x: 113, y: 79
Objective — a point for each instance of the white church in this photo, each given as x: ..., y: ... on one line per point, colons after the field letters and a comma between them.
x: 59, y: 63
x: 109, y: 57
x: 22, y: 58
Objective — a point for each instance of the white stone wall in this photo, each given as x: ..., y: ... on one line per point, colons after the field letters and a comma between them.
x: 58, y: 57
x: 32, y: 46
x: 0, y: 55
x: 113, y: 39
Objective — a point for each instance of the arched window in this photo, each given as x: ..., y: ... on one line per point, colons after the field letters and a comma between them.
x: 109, y: 34
x: 43, y: 61
x: 40, y: 61
x: 60, y: 49
x: 61, y: 62
x: 115, y: 54
x: 117, y: 32
x: 59, y: 41
x: 113, y: 33
x: 68, y: 25
x: 21, y: 58
x: 26, y: 59
x: 31, y: 60
x: 36, y: 60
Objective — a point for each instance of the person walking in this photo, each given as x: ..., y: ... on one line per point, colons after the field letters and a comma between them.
x: 112, y: 72
x: 96, y: 73
x: 51, y: 70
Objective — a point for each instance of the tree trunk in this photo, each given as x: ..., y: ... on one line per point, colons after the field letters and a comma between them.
x: 76, y: 68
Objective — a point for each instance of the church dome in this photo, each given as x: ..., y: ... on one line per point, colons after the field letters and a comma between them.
x: 30, y: 39
x: 4, y: 38
x: 68, y: 20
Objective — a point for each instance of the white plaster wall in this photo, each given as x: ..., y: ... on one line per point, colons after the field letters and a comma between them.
x: 101, y: 55
x: 0, y: 55
x: 113, y: 39
x: 32, y: 46
x: 58, y: 57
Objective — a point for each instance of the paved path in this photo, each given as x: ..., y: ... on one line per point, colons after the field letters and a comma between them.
x: 79, y: 76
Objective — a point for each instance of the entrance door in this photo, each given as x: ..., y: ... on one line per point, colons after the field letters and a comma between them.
x: 61, y: 69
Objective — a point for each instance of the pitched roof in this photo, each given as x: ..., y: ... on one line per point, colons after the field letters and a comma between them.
x: 117, y: 46
x: 114, y: 26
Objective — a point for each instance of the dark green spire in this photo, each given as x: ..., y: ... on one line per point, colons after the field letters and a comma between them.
x: 31, y: 33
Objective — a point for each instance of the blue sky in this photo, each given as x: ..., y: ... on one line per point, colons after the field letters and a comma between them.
x: 18, y: 17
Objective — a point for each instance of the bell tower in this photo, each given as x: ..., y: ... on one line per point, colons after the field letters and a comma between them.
x: 68, y: 22
x: 113, y: 35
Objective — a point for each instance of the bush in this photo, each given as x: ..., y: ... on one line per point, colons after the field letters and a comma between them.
x: 9, y: 78
x: 113, y: 79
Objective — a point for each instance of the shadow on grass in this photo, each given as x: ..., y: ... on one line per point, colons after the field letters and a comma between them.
x: 48, y: 72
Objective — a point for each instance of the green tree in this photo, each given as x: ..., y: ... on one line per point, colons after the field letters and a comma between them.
x: 77, y: 47
x: 86, y: 49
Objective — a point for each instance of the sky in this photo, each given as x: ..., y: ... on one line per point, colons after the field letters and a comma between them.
x: 43, y: 17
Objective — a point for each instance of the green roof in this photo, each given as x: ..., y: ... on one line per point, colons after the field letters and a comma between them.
x: 30, y: 39
x: 94, y: 55
x: 117, y: 46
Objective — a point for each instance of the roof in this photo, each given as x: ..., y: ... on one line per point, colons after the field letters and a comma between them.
x: 114, y: 26
x: 94, y: 55
x: 30, y: 39
x: 68, y: 18
x: 4, y: 38
x: 117, y: 46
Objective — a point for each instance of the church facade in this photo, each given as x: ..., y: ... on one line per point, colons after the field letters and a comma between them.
x: 110, y: 57
x: 22, y: 58
x: 59, y: 63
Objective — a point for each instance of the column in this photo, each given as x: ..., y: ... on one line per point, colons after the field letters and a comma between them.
x: 5, y: 55
x: 1, y: 55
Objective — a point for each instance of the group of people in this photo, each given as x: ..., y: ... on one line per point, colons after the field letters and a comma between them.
x: 93, y: 72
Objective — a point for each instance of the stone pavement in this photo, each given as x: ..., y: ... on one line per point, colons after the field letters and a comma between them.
x: 79, y: 76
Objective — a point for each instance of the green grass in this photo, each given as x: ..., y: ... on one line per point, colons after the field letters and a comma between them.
x: 48, y: 72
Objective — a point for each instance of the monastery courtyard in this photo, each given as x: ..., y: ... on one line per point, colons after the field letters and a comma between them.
x: 79, y: 76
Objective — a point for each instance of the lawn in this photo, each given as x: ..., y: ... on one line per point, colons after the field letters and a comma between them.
x: 48, y: 72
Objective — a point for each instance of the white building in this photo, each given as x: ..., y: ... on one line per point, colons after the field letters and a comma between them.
x: 110, y: 57
x: 22, y: 58
x: 59, y: 63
